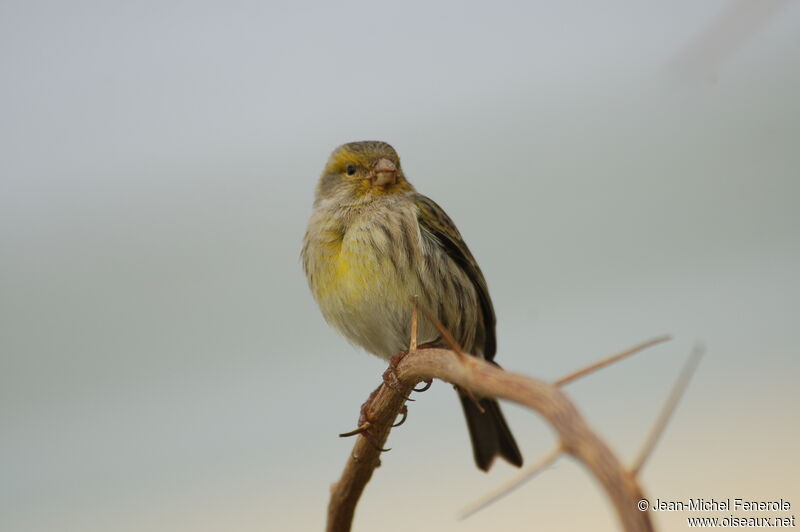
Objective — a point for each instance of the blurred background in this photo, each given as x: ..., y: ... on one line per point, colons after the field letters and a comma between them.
x: 619, y: 169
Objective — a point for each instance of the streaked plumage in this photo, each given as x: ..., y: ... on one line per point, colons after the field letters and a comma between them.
x: 373, y: 242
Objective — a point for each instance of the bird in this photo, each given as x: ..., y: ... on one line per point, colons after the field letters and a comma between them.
x: 372, y: 243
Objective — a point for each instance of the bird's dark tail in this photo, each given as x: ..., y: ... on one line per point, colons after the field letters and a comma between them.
x: 489, y: 432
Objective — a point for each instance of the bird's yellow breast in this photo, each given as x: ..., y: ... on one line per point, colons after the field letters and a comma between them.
x: 348, y: 271
x: 363, y: 278
x: 351, y: 269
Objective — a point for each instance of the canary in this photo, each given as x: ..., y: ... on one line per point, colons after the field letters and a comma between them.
x: 372, y: 243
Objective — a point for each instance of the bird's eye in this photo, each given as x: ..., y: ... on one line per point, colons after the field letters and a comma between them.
x: 351, y: 169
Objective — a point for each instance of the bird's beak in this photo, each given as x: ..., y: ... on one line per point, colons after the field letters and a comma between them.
x: 384, y: 173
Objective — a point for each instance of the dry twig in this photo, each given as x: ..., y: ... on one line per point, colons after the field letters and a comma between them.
x: 668, y: 409
x: 484, y: 379
x: 481, y: 378
x: 518, y: 480
x: 610, y: 360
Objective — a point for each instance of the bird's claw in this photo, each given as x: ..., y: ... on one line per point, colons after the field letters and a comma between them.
x: 404, y: 413
x: 425, y: 387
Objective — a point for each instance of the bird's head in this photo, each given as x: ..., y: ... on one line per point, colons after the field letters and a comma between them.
x: 361, y: 171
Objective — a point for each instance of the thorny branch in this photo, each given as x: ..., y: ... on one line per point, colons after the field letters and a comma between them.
x: 484, y: 379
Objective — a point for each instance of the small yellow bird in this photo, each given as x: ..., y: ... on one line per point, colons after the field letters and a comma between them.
x: 372, y: 243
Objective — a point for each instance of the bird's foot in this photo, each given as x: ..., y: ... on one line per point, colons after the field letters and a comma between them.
x: 390, y: 375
